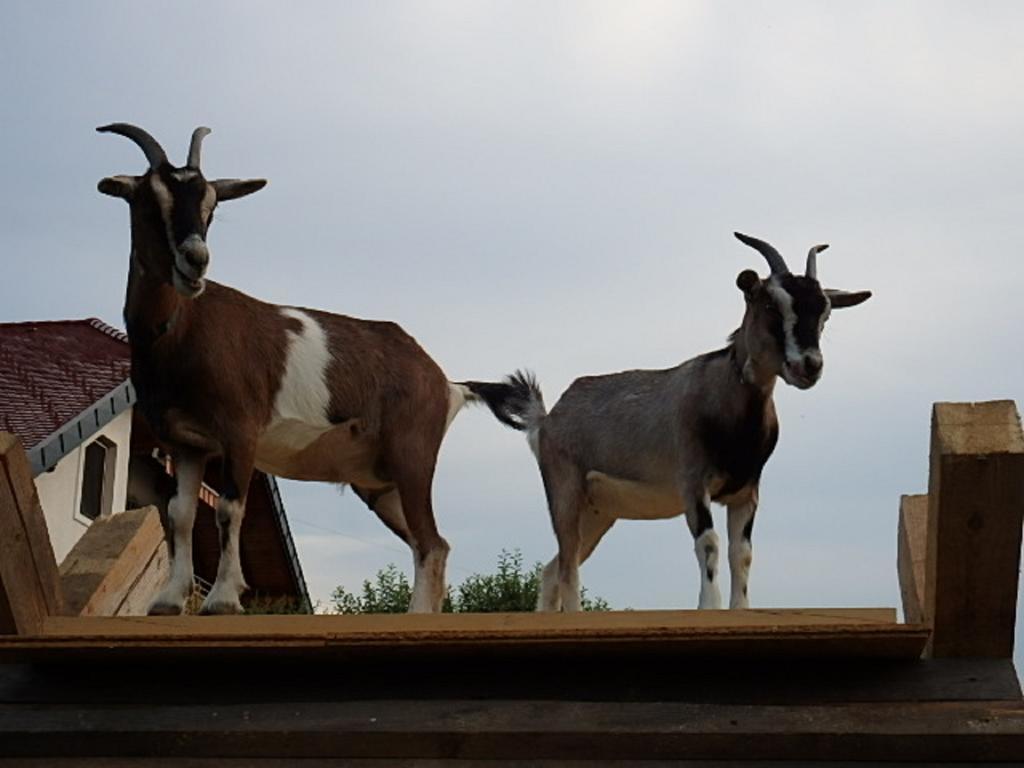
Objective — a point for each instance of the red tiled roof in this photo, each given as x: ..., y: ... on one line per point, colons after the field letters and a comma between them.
x: 52, y: 371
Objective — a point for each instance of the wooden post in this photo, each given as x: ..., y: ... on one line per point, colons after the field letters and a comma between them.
x: 974, y: 520
x: 912, y: 547
x: 29, y: 584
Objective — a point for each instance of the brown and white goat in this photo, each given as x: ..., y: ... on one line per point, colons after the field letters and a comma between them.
x: 645, y: 445
x: 296, y: 392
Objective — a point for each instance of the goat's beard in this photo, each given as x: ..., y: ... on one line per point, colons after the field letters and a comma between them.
x: 800, y: 382
x: 190, y: 289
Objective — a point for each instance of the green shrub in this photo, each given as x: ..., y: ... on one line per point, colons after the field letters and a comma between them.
x: 511, y: 588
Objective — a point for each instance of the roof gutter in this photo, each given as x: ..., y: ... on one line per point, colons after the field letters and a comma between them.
x: 286, y: 536
x: 44, y: 455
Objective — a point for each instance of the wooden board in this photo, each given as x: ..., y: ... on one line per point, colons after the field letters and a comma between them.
x: 762, y: 632
x: 472, y: 729
x: 976, y: 512
x: 29, y: 584
x: 417, y: 762
x: 101, y: 570
x: 911, y: 551
x: 639, y: 676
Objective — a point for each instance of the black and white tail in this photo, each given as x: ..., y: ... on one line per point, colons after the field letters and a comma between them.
x: 516, y: 402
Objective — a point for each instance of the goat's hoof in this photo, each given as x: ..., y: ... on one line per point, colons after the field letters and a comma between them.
x: 221, y: 607
x: 165, y: 608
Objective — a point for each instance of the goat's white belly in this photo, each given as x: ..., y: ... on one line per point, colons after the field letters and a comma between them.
x: 301, y: 451
x: 283, y: 440
x: 630, y: 500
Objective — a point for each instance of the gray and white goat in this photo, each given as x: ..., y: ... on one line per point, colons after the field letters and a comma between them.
x: 646, y: 445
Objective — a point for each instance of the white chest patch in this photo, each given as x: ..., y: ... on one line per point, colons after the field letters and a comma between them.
x: 303, y: 395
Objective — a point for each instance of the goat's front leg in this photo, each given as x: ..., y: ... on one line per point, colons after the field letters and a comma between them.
x: 181, y: 515
x: 698, y: 517
x: 230, y: 583
x: 741, y: 524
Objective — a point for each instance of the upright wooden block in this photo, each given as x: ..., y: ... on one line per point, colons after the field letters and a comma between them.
x: 102, y: 570
x: 912, y: 548
x: 29, y: 584
x: 975, y: 514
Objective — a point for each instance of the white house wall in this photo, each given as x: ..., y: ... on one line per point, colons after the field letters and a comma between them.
x: 60, y: 489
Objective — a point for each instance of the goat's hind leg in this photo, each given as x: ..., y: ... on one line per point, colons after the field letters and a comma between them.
x: 412, y: 505
x: 594, y: 524
x: 387, y: 505
x: 560, y: 580
x: 181, y: 515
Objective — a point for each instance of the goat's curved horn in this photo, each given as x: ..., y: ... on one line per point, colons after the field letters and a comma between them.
x: 193, y: 149
x: 154, y: 152
x: 812, y: 260
x: 773, y: 257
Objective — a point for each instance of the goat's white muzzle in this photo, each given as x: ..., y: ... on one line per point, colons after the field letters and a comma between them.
x: 191, y: 259
x: 803, y: 373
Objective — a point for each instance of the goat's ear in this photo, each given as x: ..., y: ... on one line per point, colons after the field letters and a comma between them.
x: 118, y: 186
x: 748, y: 282
x: 231, y: 189
x: 841, y: 299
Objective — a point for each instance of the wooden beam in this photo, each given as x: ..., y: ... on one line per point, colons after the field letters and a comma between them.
x: 102, y: 569
x: 912, y: 547
x: 524, y: 730
x: 472, y: 626
x: 641, y: 676
x: 975, y: 516
x: 29, y: 584
x: 796, y: 632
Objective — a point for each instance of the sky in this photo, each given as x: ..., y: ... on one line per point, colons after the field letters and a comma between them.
x: 554, y: 185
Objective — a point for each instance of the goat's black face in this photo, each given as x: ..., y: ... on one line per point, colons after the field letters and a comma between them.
x: 171, y: 211
x: 799, y: 309
x: 184, y: 203
x: 786, y: 314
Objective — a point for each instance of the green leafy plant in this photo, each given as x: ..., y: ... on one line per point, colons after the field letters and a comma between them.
x: 511, y: 588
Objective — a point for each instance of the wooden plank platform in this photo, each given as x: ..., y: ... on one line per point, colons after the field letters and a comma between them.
x: 847, y: 632
x: 475, y: 729
x: 625, y: 707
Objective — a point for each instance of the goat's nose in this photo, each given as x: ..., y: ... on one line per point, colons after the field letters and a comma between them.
x: 198, y: 259
x: 195, y: 252
x: 812, y: 365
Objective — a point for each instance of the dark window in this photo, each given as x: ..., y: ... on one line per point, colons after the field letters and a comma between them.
x: 95, y: 480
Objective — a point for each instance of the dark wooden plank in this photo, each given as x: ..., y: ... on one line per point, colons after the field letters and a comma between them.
x: 29, y: 584
x: 341, y: 762
x: 895, y: 642
x: 976, y: 511
x: 466, y: 729
x: 614, y: 678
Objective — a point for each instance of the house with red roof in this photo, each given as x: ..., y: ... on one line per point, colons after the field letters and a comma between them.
x: 65, y: 392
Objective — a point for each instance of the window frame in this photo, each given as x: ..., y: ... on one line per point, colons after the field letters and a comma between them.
x: 106, y: 501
